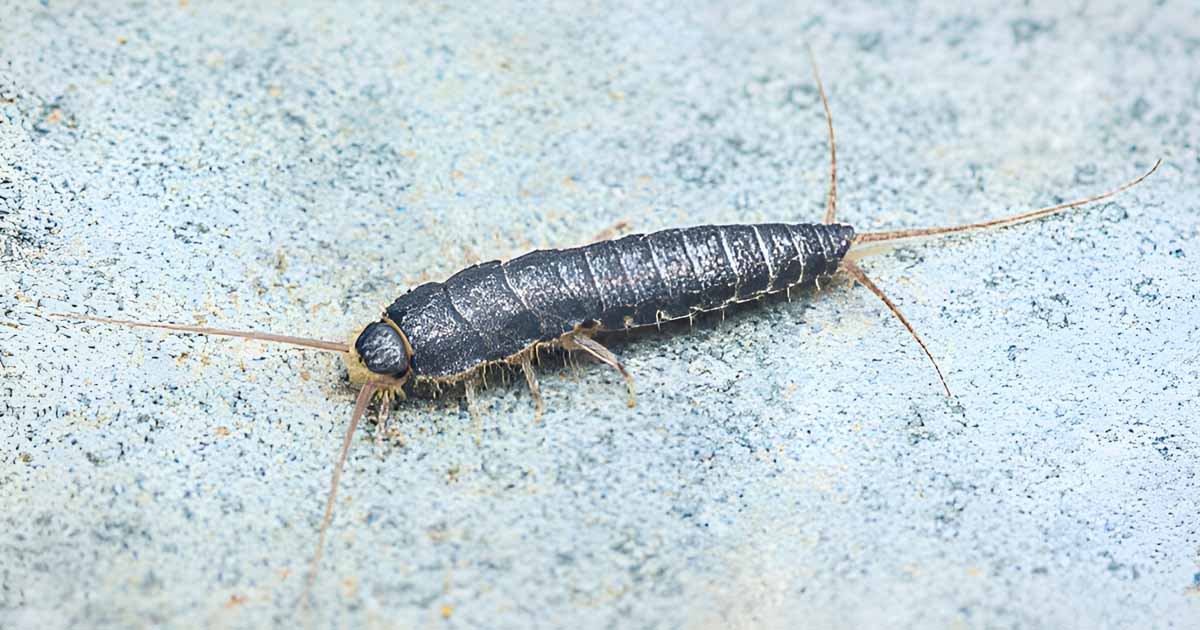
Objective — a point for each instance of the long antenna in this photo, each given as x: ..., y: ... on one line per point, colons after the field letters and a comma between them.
x: 360, y: 408
x: 302, y: 342
x: 871, y: 237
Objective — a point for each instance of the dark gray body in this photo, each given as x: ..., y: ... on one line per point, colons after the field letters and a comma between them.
x: 495, y: 310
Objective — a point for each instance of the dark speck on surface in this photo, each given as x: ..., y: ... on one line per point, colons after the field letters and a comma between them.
x: 1025, y: 30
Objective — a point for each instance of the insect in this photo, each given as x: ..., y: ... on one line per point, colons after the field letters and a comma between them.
x: 443, y: 334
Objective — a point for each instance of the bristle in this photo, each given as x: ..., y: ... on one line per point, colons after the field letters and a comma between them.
x: 863, y: 279
x: 875, y: 237
x: 831, y: 197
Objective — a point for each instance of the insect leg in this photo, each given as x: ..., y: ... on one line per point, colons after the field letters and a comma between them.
x: 360, y: 407
x: 534, y: 390
x: 604, y: 355
x: 862, y: 278
x: 470, y: 390
x: 831, y: 199
x: 382, y: 417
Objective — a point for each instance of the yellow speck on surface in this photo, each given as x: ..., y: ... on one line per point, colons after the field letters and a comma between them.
x: 54, y: 117
x: 447, y: 610
x: 122, y: 40
x: 974, y: 571
x: 275, y: 91
x: 235, y: 601
x: 350, y: 587
x: 222, y: 431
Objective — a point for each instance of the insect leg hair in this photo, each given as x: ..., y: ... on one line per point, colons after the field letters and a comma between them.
x: 360, y: 407
x: 831, y: 199
x: 303, y: 342
x: 862, y: 278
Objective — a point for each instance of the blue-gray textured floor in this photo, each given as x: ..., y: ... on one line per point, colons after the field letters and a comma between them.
x: 290, y: 167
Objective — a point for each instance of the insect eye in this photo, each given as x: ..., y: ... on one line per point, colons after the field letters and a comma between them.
x: 382, y: 350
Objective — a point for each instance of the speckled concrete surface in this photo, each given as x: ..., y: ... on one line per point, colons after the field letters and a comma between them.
x: 293, y: 168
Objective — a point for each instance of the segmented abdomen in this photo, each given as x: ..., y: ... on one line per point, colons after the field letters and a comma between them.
x: 494, y: 310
